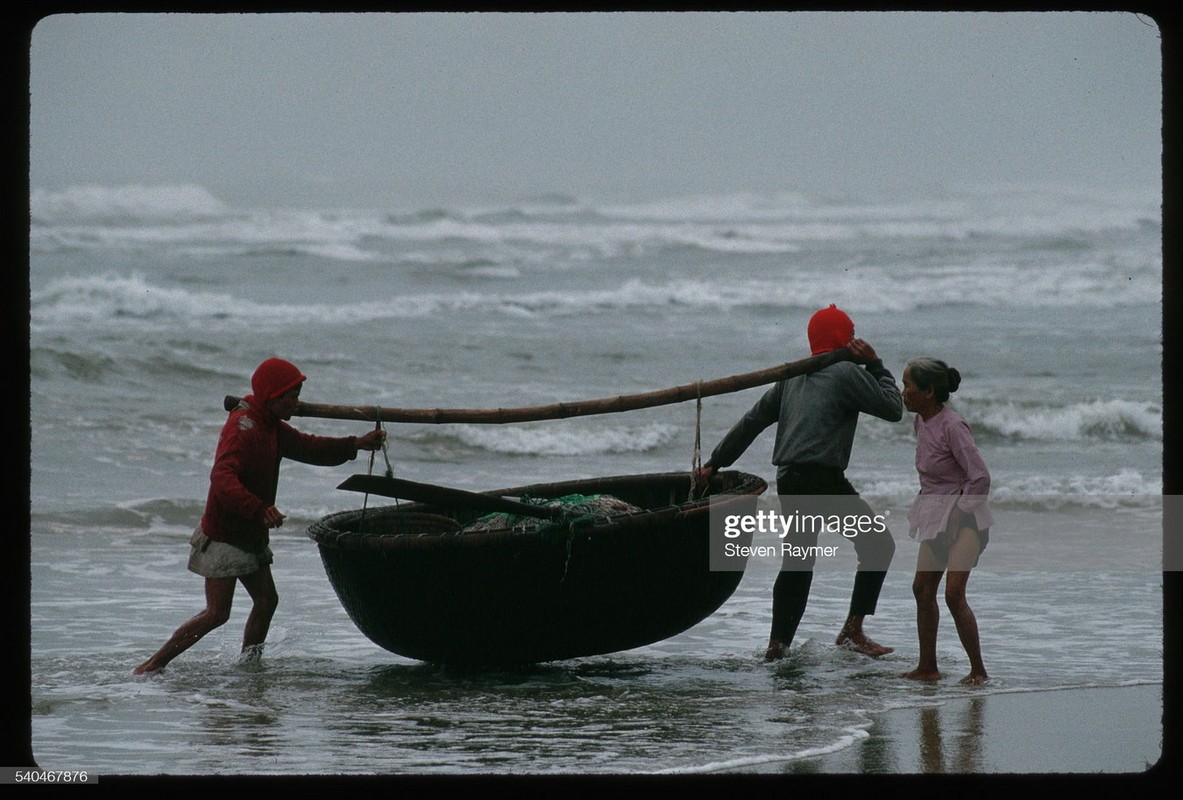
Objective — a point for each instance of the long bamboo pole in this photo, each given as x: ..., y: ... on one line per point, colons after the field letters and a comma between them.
x: 607, y: 405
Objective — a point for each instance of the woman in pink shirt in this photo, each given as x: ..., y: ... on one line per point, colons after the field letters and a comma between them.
x: 950, y: 517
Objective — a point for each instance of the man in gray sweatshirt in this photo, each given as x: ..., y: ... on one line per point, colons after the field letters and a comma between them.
x: 816, y: 416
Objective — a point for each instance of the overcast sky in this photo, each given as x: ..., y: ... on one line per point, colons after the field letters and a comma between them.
x: 417, y: 109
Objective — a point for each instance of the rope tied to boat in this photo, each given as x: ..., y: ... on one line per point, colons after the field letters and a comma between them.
x: 385, y: 457
x: 696, y: 459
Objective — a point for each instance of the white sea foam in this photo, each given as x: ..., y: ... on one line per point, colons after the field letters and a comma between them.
x: 88, y: 217
x: 757, y: 763
x: 116, y: 204
x: 565, y: 440
x: 1093, y: 419
x: 135, y: 299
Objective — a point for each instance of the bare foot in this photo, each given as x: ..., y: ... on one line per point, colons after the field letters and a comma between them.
x: 861, y: 643
x: 974, y: 679
x: 922, y: 675
x: 776, y: 650
x: 144, y: 668
x: 251, y: 654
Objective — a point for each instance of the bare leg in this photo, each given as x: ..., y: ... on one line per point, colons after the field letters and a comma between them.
x: 924, y: 589
x: 962, y: 554
x: 219, y: 595
x: 261, y: 587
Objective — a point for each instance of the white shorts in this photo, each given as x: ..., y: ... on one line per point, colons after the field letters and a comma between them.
x: 212, y: 559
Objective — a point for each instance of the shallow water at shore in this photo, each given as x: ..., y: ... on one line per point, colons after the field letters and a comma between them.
x: 1050, y: 305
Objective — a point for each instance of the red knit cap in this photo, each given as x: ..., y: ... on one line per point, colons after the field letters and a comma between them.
x: 274, y: 377
x: 829, y: 329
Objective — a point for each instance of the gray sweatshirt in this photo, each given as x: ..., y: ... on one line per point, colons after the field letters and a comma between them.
x: 816, y: 416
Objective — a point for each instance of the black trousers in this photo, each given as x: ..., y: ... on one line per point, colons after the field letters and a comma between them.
x: 875, y: 549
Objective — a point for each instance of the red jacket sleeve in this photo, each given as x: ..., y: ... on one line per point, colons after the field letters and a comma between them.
x: 324, y: 451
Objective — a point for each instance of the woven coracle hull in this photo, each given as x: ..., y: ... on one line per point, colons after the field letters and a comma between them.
x: 418, y: 586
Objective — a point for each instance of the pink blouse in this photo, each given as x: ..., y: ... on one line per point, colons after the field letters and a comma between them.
x: 952, y: 474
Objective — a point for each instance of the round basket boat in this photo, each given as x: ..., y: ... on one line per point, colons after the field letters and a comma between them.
x: 420, y: 582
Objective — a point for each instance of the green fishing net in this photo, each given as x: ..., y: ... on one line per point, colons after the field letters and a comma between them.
x: 575, y: 504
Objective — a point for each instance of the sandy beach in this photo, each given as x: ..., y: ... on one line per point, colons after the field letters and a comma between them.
x: 1071, y: 731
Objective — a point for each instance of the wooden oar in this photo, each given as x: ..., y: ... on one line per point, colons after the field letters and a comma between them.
x: 444, y: 496
x: 608, y: 405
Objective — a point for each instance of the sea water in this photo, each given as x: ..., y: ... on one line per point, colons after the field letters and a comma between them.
x: 148, y: 305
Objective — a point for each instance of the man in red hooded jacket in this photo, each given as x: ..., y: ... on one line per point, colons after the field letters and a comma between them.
x: 232, y: 542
